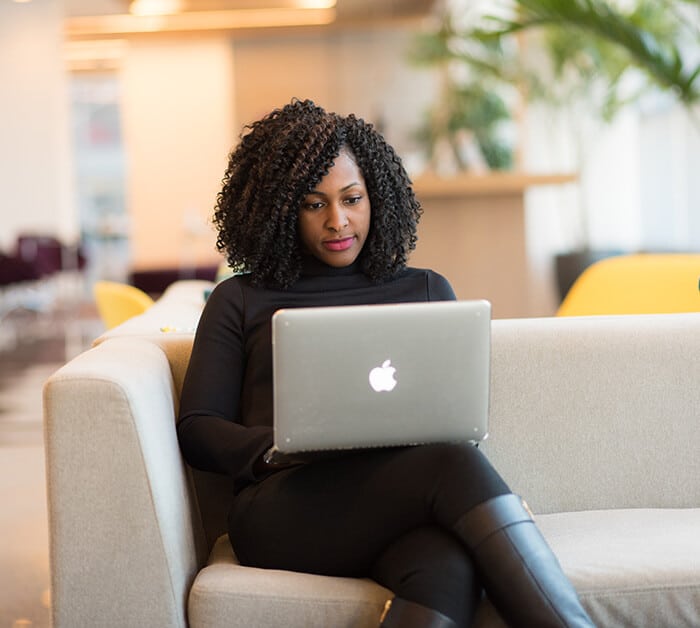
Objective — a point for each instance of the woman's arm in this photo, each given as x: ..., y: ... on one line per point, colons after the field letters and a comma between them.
x: 210, y: 435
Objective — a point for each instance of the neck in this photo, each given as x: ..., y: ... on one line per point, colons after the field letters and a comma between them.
x: 311, y: 266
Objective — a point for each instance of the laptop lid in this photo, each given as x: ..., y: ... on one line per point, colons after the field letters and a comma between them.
x: 380, y: 375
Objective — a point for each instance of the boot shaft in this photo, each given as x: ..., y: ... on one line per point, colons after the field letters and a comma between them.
x: 518, y: 570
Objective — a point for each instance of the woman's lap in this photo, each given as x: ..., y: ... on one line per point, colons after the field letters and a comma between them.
x: 337, y: 516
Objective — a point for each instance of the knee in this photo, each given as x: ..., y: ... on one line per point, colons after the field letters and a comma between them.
x: 456, y: 459
x: 464, y: 477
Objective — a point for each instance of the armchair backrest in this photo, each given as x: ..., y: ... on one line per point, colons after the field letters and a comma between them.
x: 597, y: 412
x: 585, y: 413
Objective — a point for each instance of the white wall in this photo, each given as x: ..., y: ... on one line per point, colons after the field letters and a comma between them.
x: 177, y: 110
x: 603, y: 210
x: 348, y: 71
x: 670, y: 163
x: 35, y: 169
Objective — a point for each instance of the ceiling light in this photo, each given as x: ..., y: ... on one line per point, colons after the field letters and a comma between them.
x: 315, y: 4
x: 155, y: 7
x: 103, y: 25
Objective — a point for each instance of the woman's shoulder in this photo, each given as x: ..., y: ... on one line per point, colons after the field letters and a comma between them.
x: 423, y: 272
x: 437, y: 286
x: 228, y: 289
x: 237, y: 295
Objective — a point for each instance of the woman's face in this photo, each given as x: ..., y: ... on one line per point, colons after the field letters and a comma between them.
x: 334, y: 218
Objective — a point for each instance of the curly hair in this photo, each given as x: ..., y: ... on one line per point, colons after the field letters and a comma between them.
x: 279, y: 160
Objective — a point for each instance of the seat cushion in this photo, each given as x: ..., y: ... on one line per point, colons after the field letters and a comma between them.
x: 631, y: 567
x: 226, y: 595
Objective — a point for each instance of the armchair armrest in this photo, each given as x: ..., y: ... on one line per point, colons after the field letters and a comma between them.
x: 125, y: 533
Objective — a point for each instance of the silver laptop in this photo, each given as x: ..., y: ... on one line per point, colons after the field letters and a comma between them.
x: 362, y: 376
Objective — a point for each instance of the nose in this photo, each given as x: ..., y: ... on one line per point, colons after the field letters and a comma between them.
x: 336, y: 217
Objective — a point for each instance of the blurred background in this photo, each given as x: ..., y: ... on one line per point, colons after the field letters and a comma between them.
x: 540, y: 136
x: 117, y: 118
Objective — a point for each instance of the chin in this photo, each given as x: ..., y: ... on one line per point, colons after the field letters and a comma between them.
x: 336, y: 263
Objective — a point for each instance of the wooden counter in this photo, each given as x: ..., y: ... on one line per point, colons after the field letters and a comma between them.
x: 473, y: 232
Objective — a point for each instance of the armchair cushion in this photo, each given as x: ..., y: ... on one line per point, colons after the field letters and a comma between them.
x: 226, y: 595
x: 631, y: 567
x: 611, y: 556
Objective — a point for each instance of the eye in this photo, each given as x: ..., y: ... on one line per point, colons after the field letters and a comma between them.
x: 353, y: 200
x: 313, y: 205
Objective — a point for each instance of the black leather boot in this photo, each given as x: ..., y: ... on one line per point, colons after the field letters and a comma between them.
x: 518, y: 570
x: 400, y: 613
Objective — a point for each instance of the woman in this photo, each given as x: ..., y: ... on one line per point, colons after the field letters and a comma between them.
x: 318, y: 210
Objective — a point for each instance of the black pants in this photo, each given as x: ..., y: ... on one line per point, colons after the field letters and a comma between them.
x: 386, y: 514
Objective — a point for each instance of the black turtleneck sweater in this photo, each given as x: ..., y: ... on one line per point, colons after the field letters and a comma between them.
x: 225, y: 420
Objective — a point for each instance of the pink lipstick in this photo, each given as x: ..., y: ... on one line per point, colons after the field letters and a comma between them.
x: 339, y: 245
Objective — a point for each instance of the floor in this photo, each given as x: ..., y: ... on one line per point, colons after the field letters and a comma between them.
x: 33, y: 344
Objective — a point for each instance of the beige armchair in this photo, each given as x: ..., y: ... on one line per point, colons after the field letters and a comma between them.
x: 593, y: 419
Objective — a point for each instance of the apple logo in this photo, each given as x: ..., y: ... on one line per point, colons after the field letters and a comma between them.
x: 381, y: 378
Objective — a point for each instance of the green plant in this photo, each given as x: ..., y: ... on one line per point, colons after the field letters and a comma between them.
x: 473, y: 110
x: 564, y: 52
x: 470, y: 105
x: 592, y: 44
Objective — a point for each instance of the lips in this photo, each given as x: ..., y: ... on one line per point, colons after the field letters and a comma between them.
x: 341, y: 244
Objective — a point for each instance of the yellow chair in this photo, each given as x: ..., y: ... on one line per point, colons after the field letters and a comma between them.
x: 646, y: 283
x: 117, y: 302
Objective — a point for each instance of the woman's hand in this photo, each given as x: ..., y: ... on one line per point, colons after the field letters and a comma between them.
x: 265, y: 464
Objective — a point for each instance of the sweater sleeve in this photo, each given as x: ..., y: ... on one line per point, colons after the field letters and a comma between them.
x: 210, y: 435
